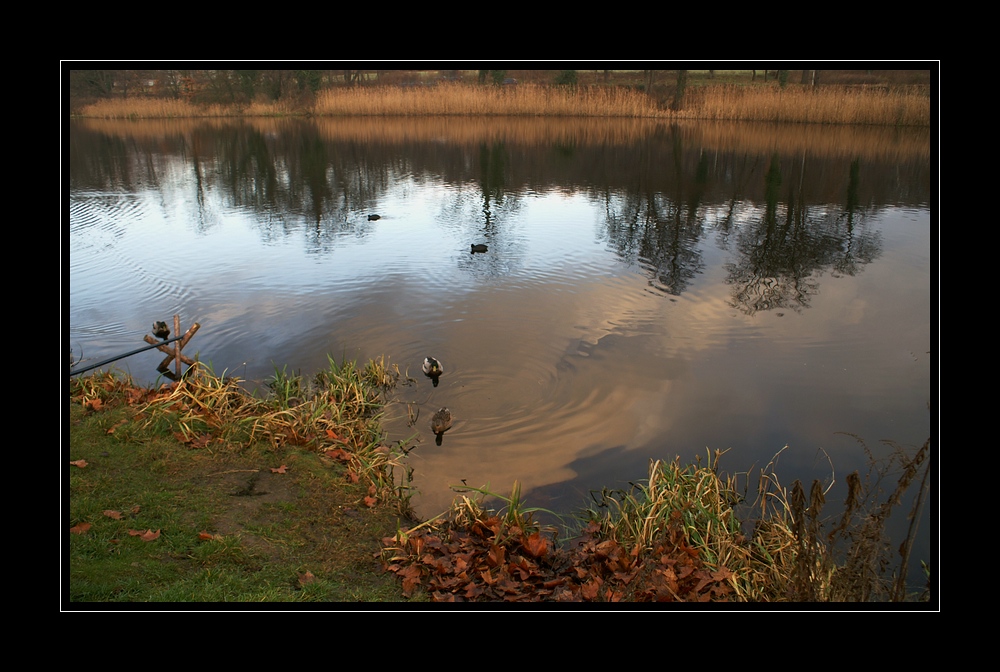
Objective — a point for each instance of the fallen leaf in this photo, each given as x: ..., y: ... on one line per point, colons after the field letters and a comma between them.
x: 80, y: 528
x: 79, y: 463
x: 208, y: 536
x: 370, y: 501
x: 93, y: 404
x: 337, y: 454
x: 135, y: 509
x: 149, y: 535
x: 279, y: 470
x: 306, y: 578
x: 535, y: 545
x: 115, y: 426
x: 113, y: 514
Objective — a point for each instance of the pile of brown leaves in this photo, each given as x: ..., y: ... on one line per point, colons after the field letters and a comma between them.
x: 488, y: 562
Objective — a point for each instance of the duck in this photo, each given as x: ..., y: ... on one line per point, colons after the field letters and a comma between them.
x: 432, y: 369
x: 374, y: 218
x: 441, y: 422
x: 161, y: 330
x: 478, y: 248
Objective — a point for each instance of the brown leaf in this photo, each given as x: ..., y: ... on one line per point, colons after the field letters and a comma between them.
x: 411, y: 579
x: 149, y: 535
x: 535, y: 545
x: 337, y: 454
x: 370, y: 501
x: 113, y: 514
x: 280, y: 470
x: 79, y: 463
x: 208, y: 536
x: 306, y: 578
x: 113, y: 427
x: 590, y: 589
x: 352, y: 476
x: 93, y: 404
x: 80, y: 528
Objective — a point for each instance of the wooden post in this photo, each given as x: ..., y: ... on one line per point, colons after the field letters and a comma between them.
x: 174, y: 354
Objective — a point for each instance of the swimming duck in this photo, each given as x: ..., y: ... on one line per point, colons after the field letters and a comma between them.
x: 479, y: 248
x: 441, y: 422
x: 374, y: 218
x: 432, y: 369
x: 161, y: 330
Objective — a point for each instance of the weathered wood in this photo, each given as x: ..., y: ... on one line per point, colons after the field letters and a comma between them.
x: 174, y: 353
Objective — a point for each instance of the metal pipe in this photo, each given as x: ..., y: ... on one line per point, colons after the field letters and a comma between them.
x: 73, y: 372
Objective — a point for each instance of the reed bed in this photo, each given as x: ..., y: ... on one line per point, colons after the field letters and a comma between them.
x: 771, y: 103
x: 458, y: 99
x: 153, y: 108
x: 827, y: 105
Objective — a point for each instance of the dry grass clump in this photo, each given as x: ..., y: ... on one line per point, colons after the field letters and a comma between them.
x: 337, y: 414
x: 459, y: 99
x: 704, y: 502
x: 828, y: 104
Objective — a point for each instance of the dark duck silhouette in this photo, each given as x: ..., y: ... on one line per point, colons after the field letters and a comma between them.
x: 479, y: 248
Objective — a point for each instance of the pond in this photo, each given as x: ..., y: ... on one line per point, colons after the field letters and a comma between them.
x: 648, y: 291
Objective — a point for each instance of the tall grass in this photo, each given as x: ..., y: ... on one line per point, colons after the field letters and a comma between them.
x: 704, y: 503
x: 458, y: 99
x: 167, y: 108
x: 828, y: 104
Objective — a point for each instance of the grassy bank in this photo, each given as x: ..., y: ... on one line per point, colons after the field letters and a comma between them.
x: 770, y: 102
x: 200, y: 491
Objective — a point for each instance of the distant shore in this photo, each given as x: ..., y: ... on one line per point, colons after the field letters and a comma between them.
x: 879, y: 106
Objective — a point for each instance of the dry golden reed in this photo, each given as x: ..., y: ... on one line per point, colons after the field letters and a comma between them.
x: 459, y: 99
x: 828, y: 104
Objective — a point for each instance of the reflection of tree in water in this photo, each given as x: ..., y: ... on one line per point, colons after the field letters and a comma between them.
x: 778, y: 260
x: 495, y: 207
x: 654, y: 232
x: 661, y: 234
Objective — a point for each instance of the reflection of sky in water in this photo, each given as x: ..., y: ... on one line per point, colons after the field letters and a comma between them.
x: 562, y: 365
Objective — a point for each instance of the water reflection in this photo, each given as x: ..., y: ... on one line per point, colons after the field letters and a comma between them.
x: 647, y: 291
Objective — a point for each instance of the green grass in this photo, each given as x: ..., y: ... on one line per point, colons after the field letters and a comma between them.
x: 230, y: 529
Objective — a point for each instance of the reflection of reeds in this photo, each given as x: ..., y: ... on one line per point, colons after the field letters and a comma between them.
x: 865, y: 142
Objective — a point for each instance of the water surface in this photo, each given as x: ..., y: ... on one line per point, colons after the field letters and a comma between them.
x: 649, y: 291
